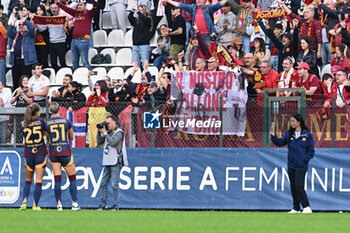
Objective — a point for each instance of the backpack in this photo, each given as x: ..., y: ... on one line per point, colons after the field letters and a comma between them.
x: 101, y: 59
x: 322, y: 86
x: 97, y: 59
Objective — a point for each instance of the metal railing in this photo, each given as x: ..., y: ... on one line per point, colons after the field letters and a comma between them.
x: 329, y: 132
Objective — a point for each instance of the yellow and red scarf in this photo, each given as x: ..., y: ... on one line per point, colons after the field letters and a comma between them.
x: 309, y: 28
x: 3, y: 31
x: 241, y: 18
x: 140, y: 90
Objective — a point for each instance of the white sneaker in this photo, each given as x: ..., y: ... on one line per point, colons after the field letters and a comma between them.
x: 75, y: 206
x: 307, y: 210
x: 293, y: 211
x: 59, y: 208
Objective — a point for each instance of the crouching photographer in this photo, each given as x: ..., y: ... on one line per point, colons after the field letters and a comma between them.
x: 114, y: 158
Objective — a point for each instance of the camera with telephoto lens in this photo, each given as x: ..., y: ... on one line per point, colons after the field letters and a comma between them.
x: 102, y: 125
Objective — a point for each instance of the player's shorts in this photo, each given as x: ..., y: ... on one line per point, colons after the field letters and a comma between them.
x: 33, y: 162
x: 65, y: 161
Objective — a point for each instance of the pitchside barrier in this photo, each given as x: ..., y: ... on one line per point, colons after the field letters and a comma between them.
x: 244, y: 122
x: 191, y: 178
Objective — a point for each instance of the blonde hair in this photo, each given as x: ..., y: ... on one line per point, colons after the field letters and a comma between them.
x: 54, y: 107
x: 147, y: 13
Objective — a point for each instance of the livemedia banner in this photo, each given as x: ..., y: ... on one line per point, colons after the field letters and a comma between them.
x: 178, y: 178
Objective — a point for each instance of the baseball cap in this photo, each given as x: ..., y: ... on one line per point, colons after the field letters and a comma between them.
x: 237, y: 40
x: 343, y: 10
x: 303, y: 65
x: 287, y: 34
x: 152, y: 84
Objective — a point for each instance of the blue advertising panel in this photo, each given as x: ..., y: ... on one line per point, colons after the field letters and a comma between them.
x: 203, y: 178
x: 10, y: 176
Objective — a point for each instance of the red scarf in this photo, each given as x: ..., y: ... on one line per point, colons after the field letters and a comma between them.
x: 14, y: 43
x: 140, y: 90
x: 309, y: 28
x: 39, y: 39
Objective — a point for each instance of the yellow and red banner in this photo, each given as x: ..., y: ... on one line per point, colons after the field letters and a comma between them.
x: 269, y: 14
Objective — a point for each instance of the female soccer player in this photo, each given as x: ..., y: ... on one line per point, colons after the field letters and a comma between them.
x: 300, y: 150
x: 34, y: 153
x: 60, y: 132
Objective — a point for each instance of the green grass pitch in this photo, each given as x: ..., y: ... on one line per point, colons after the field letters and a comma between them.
x: 154, y: 221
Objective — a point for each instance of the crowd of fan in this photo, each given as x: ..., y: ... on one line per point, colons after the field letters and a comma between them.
x: 286, y: 52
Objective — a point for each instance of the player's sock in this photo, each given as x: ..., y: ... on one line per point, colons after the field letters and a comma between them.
x: 37, y: 193
x: 26, y: 190
x: 73, y: 188
x: 58, y: 191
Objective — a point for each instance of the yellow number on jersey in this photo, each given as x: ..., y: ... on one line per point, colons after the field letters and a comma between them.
x: 36, y: 130
x: 53, y: 128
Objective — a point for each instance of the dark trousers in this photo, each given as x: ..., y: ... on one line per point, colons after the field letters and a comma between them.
x: 97, y: 25
x: 42, y: 53
x: 69, y: 38
x: 297, y: 182
x: 58, y: 49
x: 19, y: 69
x: 157, y: 19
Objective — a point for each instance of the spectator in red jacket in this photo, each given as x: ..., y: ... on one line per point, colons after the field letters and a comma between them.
x: 99, y: 95
x: 271, y: 78
x: 340, y: 91
x: 309, y: 81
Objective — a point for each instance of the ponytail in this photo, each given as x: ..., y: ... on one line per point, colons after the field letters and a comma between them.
x: 30, y: 112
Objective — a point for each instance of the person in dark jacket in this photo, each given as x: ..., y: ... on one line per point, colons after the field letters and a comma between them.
x: 23, y: 54
x: 300, y: 151
x: 62, y: 93
x: 141, y: 20
x: 154, y: 94
x: 328, y: 21
x: 120, y: 96
x: 287, y: 47
x: 307, y: 55
x: 75, y: 98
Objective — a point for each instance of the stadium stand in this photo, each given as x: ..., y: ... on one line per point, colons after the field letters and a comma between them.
x: 61, y: 73
x: 100, y: 38
x: 80, y: 75
x: 116, y: 72
x: 124, y: 57
x: 115, y: 38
